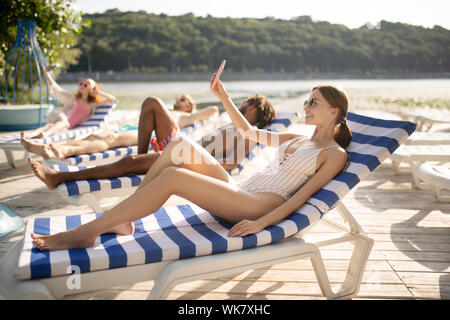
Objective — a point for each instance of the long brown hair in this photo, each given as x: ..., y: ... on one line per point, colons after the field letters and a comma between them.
x: 91, y: 98
x: 337, y: 98
x: 266, y: 112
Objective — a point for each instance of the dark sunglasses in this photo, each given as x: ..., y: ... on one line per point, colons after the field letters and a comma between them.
x: 182, y: 99
x: 311, y: 103
x: 84, y: 84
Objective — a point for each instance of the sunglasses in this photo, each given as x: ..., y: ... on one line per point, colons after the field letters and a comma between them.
x: 84, y: 84
x: 311, y: 103
x: 182, y: 99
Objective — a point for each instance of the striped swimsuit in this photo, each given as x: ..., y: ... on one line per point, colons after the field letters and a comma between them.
x: 287, y: 173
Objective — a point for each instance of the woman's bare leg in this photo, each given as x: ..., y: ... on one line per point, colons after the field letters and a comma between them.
x: 95, y: 143
x: 219, y: 197
x: 154, y: 116
x: 38, y: 148
x: 54, y: 128
x: 35, y: 132
x: 137, y: 164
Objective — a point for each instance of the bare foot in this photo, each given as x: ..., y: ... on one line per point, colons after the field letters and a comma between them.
x: 46, y: 175
x: 37, y: 148
x: 27, y: 135
x: 123, y: 230
x: 59, y: 151
x: 72, y: 239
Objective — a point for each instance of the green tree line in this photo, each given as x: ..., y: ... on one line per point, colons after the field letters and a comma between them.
x: 139, y: 41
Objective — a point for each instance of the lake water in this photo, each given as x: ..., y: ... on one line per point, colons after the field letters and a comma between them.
x: 131, y: 94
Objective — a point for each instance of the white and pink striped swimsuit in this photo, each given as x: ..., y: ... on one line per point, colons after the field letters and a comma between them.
x: 287, y: 173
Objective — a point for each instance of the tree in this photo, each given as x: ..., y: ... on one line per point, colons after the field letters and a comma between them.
x: 57, y: 22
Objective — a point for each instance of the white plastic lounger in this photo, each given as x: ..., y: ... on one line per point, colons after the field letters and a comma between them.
x: 91, y: 192
x: 414, y: 155
x: 95, y: 122
x: 428, y: 138
x: 425, y: 118
x: 438, y: 177
x: 194, y: 131
x: 183, y: 243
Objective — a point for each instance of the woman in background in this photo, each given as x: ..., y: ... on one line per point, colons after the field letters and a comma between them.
x: 77, y: 107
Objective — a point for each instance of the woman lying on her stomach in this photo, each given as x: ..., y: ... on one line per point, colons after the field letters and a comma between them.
x: 76, y: 109
x: 305, y: 164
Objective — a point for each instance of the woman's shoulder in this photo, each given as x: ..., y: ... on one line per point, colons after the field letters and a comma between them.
x: 335, y: 152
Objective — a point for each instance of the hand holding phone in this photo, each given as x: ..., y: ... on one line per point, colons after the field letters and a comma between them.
x: 219, y: 72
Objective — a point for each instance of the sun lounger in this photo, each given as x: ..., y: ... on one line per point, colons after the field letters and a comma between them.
x: 95, y: 122
x: 414, y: 155
x: 194, y: 131
x: 91, y: 192
x: 425, y: 118
x: 428, y: 138
x: 184, y: 243
x: 438, y: 177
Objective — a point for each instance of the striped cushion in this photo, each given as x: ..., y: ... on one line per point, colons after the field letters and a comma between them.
x: 194, y: 131
x: 72, y: 188
x: 90, y: 125
x: 178, y: 232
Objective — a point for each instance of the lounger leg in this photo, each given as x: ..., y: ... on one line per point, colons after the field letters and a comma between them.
x: 352, y: 282
x: 15, y: 163
x: 439, y: 196
x: 418, y: 183
x: 9, y: 157
x: 400, y: 171
x: 361, y: 252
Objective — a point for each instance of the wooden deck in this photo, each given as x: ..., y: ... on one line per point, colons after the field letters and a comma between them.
x: 410, y: 258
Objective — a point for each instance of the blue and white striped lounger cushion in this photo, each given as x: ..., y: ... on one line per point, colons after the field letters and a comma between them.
x: 73, y: 188
x: 90, y: 125
x: 194, y: 131
x: 178, y: 232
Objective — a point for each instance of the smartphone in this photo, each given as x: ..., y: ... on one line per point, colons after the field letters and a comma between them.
x: 219, y: 72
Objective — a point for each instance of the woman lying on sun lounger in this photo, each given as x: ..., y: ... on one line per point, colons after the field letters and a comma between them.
x: 155, y: 118
x: 257, y: 110
x: 76, y: 109
x: 305, y: 165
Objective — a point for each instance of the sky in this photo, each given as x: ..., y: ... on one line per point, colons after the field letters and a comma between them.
x: 352, y: 13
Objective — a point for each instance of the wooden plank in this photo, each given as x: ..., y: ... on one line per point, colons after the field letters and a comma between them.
x: 425, y: 278
x: 422, y: 266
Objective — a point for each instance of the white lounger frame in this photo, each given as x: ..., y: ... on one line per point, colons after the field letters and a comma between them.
x: 168, y: 274
x: 416, y: 158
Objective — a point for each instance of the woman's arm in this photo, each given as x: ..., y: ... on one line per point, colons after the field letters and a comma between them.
x: 197, y: 116
x: 333, y: 164
x: 106, y: 98
x: 246, y: 129
x: 56, y: 91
